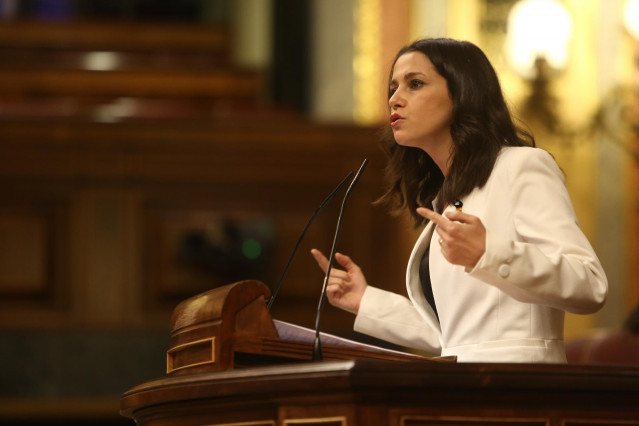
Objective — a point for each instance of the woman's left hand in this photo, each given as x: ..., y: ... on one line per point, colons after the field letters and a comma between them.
x: 462, y: 236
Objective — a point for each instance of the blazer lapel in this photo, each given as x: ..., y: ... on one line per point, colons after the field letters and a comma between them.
x: 413, y: 283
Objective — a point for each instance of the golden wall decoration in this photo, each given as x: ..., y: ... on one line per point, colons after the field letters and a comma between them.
x: 366, y: 60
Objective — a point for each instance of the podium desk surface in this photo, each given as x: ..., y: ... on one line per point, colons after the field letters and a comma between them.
x: 377, y: 392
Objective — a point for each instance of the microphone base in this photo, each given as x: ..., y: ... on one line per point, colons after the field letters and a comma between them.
x: 317, y: 350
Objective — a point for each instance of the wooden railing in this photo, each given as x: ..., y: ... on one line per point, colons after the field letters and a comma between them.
x: 118, y: 71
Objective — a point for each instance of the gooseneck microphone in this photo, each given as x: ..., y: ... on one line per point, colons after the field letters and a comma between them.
x: 317, y: 344
x: 299, y: 241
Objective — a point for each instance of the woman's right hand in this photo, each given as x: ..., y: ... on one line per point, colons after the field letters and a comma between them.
x: 345, y: 288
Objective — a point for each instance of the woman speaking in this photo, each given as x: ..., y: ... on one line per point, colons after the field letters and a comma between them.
x: 501, y: 257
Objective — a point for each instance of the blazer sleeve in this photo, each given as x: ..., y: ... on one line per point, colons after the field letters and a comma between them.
x: 392, y: 317
x: 551, y: 261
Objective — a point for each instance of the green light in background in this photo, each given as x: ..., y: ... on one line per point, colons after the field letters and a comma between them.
x: 251, y: 248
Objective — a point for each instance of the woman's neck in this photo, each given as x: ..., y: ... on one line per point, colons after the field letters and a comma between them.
x: 442, y: 155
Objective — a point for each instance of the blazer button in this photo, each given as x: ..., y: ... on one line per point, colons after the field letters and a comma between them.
x: 504, y: 271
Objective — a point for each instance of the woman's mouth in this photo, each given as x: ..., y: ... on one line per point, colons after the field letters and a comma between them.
x: 395, y: 119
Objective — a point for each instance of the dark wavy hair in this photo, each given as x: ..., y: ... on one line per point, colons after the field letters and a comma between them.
x: 482, y: 125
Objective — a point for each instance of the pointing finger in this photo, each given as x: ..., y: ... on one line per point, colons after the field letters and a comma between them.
x: 321, y: 260
x: 431, y: 215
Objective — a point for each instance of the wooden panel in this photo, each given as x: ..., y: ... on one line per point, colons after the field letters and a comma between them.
x: 213, y: 83
x: 23, y: 255
x: 70, y: 59
x: 600, y: 422
x: 313, y: 415
x: 105, y: 250
x: 256, y: 423
x: 318, y: 421
x: 469, y: 421
x: 32, y: 239
x: 416, y: 394
x: 113, y: 36
x: 136, y: 189
x: 170, y: 152
x: 113, y: 109
x: 35, y: 287
x: 107, y: 72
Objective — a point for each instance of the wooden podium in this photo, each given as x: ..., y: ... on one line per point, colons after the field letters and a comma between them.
x: 229, y: 327
x: 230, y: 364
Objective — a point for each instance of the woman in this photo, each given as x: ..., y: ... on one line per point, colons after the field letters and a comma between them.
x: 489, y: 281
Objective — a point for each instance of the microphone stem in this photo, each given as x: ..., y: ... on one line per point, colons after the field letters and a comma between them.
x: 317, y: 344
x: 299, y: 240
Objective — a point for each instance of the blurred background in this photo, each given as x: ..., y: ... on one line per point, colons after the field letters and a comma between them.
x: 150, y: 151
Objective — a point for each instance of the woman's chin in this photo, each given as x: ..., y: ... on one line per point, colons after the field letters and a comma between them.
x: 405, y: 143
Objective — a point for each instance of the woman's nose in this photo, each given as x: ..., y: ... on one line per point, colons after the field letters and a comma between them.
x: 396, y: 100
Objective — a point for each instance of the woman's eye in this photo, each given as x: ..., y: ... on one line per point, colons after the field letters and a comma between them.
x: 391, y: 91
x: 416, y: 84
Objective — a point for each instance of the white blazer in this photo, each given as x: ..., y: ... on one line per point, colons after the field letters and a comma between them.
x: 510, y: 306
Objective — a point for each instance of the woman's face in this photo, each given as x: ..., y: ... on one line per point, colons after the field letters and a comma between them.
x: 420, y: 105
